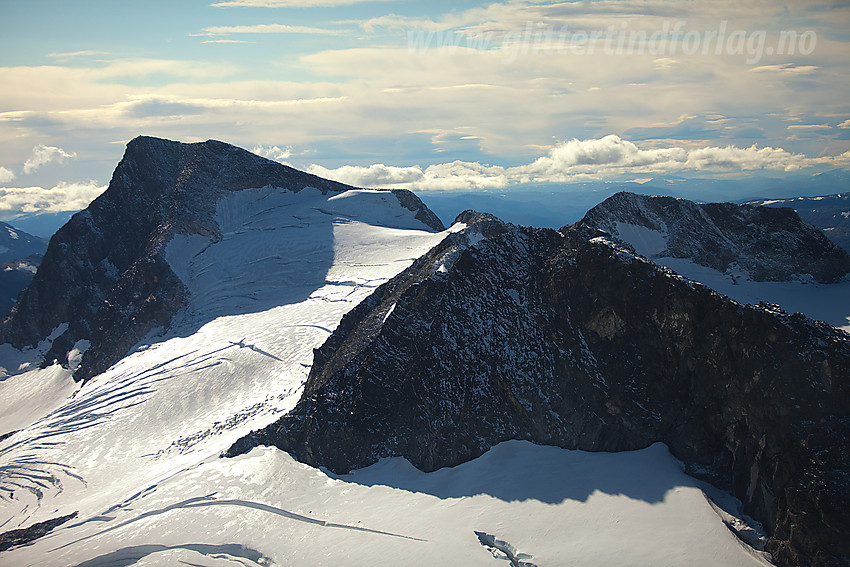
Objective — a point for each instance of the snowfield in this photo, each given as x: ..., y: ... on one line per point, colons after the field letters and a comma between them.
x: 135, y: 451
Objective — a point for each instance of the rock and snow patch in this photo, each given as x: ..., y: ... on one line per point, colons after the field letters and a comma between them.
x: 503, y: 549
x: 14, y: 361
x: 76, y: 354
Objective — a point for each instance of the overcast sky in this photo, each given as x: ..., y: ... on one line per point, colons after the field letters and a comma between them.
x: 425, y: 95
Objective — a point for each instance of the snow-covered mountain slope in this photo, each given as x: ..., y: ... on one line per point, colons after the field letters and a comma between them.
x: 127, y: 463
x: 752, y: 254
x: 16, y: 244
x: 105, y: 273
x: 20, y: 254
x: 263, y: 294
x: 830, y: 213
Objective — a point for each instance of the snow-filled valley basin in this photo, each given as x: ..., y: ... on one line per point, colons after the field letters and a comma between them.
x: 135, y: 451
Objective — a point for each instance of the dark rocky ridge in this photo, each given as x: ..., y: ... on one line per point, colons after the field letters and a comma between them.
x: 772, y: 244
x: 567, y: 338
x: 105, y: 273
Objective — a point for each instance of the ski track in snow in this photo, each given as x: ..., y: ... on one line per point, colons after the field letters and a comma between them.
x: 135, y: 451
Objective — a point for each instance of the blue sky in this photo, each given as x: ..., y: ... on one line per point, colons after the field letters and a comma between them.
x: 471, y: 96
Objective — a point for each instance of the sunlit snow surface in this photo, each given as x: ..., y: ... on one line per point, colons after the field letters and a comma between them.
x: 135, y: 451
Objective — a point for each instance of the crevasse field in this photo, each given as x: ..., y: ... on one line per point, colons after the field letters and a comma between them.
x: 135, y: 451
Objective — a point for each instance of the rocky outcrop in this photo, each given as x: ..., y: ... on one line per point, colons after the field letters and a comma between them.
x: 770, y: 244
x: 25, y: 536
x: 568, y: 338
x: 104, y: 272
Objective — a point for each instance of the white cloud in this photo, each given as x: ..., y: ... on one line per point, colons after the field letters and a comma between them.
x: 589, y: 156
x: 841, y: 160
x: 574, y: 160
x: 62, y: 197
x: 733, y: 159
x: 845, y: 124
x: 377, y: 175
x: 42, y: 155
x: 809, y: 127
x: 268, y: 28
x: 465, y: 175
x: 612, y: 155
x: 786, y: 69
x: 67, y: 56
x: 445, y: 176
x: 275, y: 153
x: 6, y: 175
x: 226, y: 41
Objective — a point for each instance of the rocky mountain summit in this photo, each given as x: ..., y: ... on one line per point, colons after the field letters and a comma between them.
x: 766, y: 244
x: 105, y: 273
x: 568, y: 338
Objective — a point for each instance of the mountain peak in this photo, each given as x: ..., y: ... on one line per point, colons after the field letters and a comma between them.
x: 770, y: 244
x: 105, y: 273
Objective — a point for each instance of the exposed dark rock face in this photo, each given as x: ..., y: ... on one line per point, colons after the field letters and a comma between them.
x: 105, y: 272
x: 411, y: 202
x: 772, y: 244
x: 25, y: 536
x: 567, y: 338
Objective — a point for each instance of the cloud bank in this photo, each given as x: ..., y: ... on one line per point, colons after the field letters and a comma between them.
x: 62, y: 197
x: 574, y: 160
x: 275, y: 153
